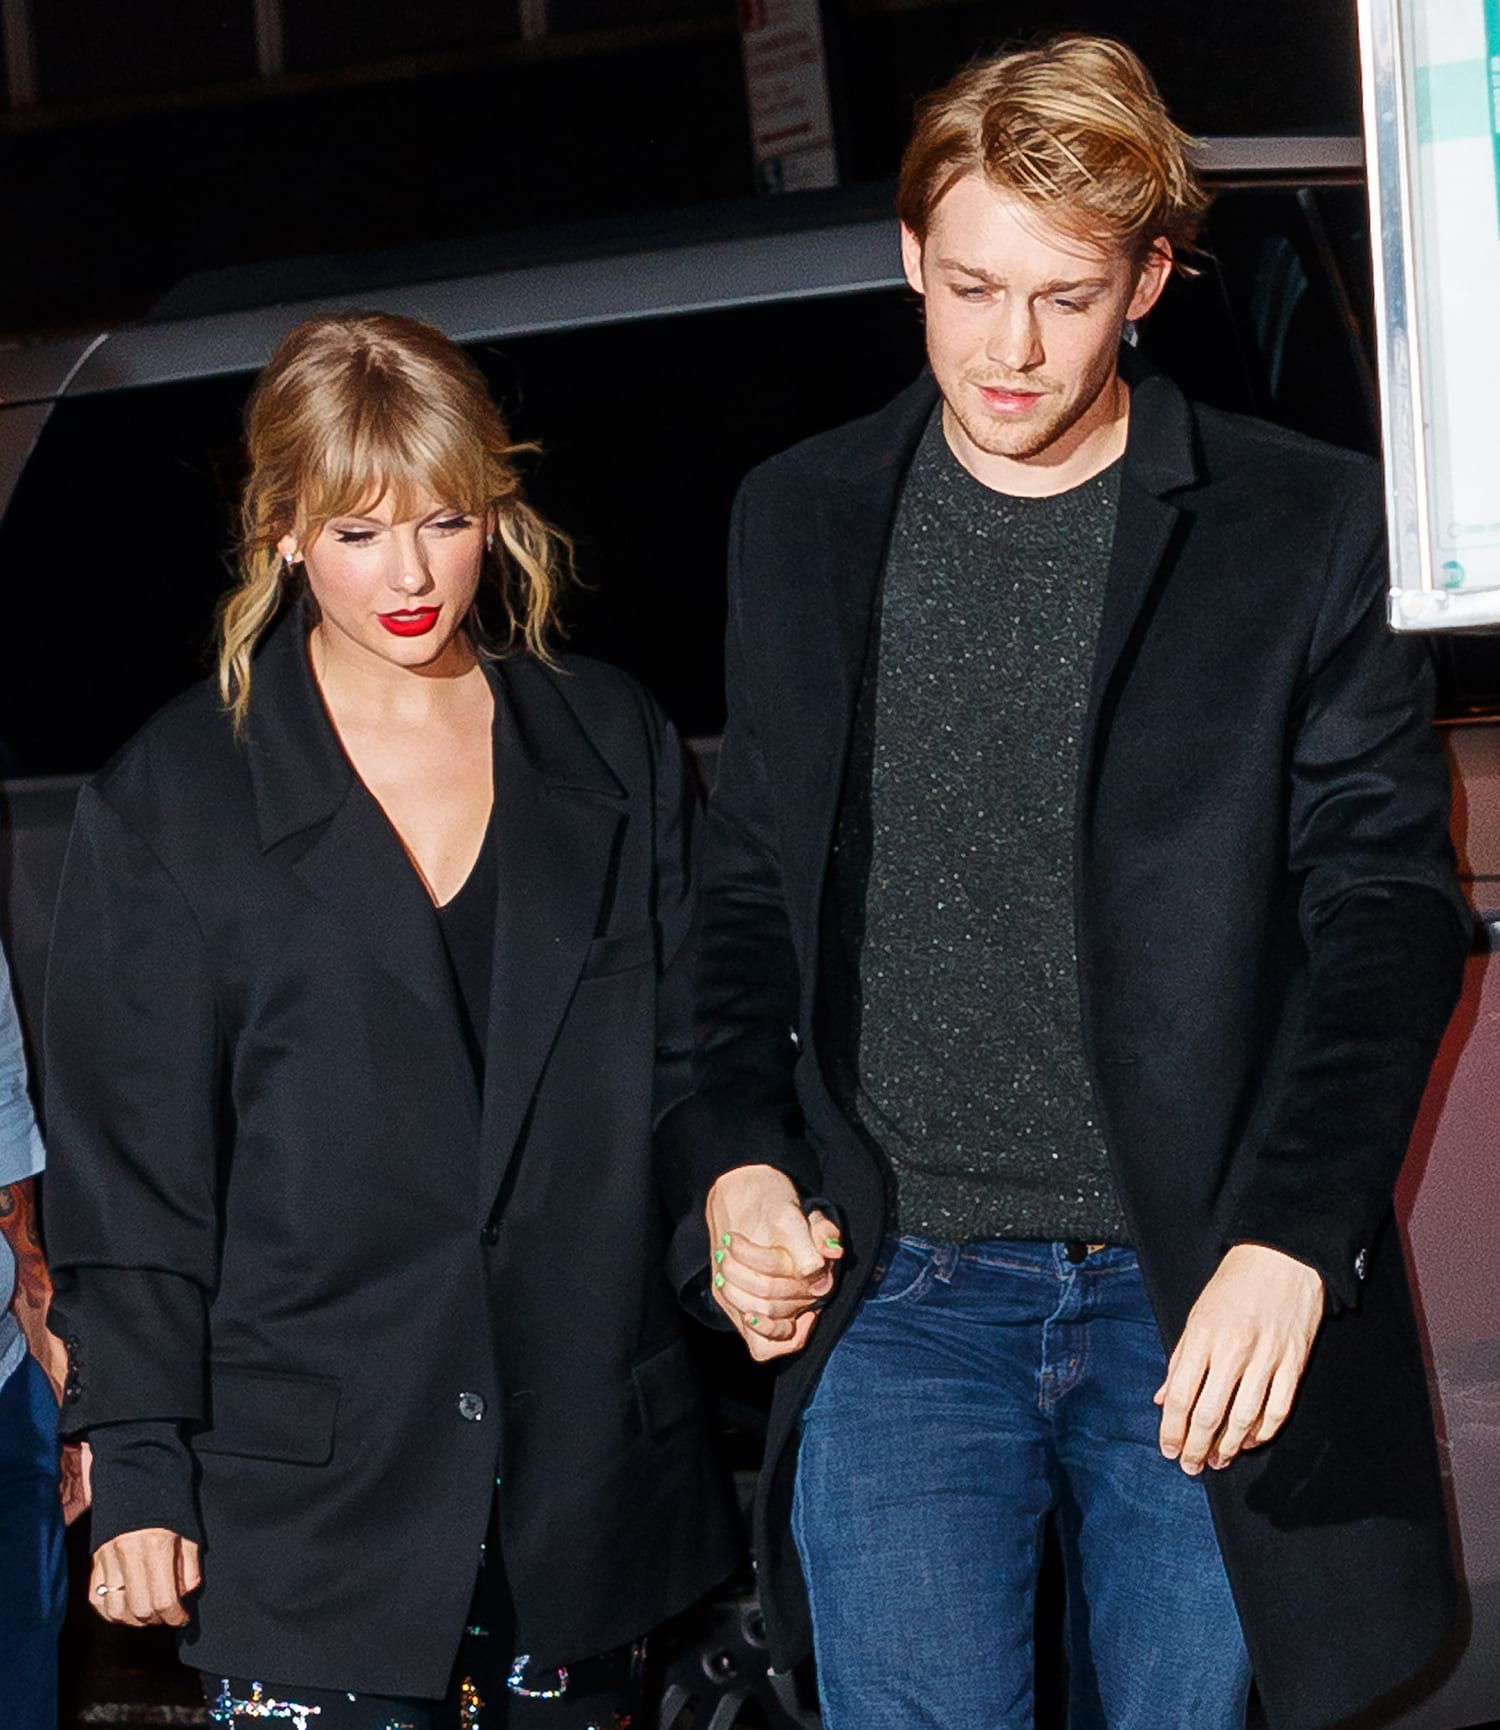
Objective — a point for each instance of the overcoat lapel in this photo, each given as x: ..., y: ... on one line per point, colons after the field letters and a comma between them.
x: 558, y: 814
x: 1159, y: 460
x: 854, y: 527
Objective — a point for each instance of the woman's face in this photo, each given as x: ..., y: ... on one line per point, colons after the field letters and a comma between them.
x: 396, y: 590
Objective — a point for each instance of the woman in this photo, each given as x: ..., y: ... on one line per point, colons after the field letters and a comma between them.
x: 358, y: 1017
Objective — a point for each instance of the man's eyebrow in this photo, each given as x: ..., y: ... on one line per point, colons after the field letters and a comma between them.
x: 1059, y: 287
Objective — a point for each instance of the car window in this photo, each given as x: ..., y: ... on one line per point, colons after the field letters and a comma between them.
x: 114, y: 547
x: 1275, y: 322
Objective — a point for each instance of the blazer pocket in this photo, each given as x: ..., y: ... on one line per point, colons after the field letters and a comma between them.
x: 666, y: 1388
x: 608, y: 955
x: 263, y: 1416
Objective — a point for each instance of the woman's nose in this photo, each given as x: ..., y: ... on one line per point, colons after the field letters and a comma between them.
x: 409, y: 571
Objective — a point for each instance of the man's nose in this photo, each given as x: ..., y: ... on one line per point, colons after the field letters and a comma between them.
x: 1013, y: 339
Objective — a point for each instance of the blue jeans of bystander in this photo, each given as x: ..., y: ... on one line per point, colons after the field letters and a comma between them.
x: 981, y: 1388
x: 33, y: 1574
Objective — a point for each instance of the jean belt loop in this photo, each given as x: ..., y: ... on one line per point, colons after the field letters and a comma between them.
x: 945, y: 1261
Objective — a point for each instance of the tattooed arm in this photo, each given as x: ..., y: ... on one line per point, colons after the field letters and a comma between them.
x: 33, y: 1286
x: 18, y: 1224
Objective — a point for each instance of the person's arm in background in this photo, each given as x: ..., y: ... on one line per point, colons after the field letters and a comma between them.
x: 21, y: 1156
x: 18, y: 1224
x: 732, y: 1152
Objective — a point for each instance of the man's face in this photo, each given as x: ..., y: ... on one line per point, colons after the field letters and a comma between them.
x: 1023, y: 323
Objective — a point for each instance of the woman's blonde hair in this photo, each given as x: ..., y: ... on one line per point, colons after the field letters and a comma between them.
x: 357, y: 407
x: 1074, y: 125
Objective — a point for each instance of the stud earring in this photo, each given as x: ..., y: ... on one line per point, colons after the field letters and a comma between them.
x: 489, y: 541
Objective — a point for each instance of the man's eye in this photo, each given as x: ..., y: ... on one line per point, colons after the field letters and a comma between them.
x: 970, y: 292
x: 1071, y: 305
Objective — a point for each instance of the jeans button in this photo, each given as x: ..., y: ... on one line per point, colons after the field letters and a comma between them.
x: 471, y: 1406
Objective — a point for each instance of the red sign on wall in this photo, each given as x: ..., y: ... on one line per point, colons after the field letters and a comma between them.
x: 786, y: 77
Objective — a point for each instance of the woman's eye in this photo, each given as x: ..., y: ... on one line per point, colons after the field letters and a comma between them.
x: 354, y: 537
x: 450, y: 525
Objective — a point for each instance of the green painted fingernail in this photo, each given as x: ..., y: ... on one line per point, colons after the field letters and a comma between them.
x: 754, y: 1321
x: 718, y: 1255
x: 832, y: 1243
x: 725, y: 1240
x: 718, y: 1281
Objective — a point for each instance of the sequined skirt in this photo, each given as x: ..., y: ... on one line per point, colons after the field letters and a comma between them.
x: 491, y: 1688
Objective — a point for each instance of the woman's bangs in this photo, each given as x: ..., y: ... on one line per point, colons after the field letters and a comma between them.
x: 412, y: 464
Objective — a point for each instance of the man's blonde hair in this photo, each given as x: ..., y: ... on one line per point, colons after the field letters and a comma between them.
x: 1076, y: 126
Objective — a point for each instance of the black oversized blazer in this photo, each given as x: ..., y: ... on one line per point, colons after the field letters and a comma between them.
x: 1270, y: 942
x: 280, y: 1211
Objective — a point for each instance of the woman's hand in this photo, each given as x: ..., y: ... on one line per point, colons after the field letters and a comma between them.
x: 141, y: 1578
x: 772, y: 1263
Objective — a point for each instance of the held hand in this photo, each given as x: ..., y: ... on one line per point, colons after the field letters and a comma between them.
x: 76, y: 1480
x: 141, y: 1578
x: 1232, y: 1379
x: 772, y: 1264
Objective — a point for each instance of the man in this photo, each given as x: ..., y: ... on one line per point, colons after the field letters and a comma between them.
x: 1079, y: 919
x: 33, y: 1366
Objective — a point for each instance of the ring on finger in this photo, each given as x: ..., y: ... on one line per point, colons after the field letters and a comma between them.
x: 104, y: 1591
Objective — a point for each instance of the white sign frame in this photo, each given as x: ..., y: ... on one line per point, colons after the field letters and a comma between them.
x: 1436, y: 349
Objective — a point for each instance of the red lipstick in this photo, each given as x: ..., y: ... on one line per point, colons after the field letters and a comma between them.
x: 410, y: 621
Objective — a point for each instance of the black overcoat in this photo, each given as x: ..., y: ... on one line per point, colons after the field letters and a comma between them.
x: 280, y: 1211
x: 1270, y: 941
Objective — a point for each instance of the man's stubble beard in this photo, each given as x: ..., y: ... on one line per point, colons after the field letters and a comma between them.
x: 1021, y: 443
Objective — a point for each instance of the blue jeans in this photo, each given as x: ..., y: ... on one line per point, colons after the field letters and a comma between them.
x: 981, y: 1388
x: 33, y: 1574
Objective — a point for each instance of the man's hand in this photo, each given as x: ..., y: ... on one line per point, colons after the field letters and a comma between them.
x: 1235, y: 1372
x: 141, y: 1578
x: 771, y: 1262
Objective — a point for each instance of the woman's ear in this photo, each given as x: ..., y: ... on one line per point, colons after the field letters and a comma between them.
x: 291, y: 553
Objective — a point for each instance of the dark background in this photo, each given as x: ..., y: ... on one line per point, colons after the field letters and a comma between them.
x: 142, y: 142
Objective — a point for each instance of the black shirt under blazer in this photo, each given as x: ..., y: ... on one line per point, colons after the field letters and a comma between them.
x: 1270, y: 942
x: 280, y: 1211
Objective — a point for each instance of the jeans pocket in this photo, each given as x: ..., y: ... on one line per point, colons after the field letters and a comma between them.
x: 907, y: 1274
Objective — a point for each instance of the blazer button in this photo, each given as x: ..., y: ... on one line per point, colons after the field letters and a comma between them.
x: 1361, y: 1263
x: 471, y: 1406
x: 490, y: 1235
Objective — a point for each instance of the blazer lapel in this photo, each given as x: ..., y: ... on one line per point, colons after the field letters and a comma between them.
x: 559, y: 810
x: 338, y: 843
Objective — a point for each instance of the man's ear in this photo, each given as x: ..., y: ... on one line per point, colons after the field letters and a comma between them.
x: 911, y: 259
x: 1156, y: 269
